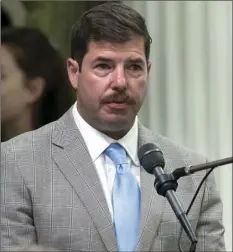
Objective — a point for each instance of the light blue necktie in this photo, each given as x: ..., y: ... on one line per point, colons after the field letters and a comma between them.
x: 125, y: 200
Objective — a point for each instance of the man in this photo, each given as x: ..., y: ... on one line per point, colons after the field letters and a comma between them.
x: 76, y: 184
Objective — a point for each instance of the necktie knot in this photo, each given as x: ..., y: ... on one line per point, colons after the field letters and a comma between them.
x: 116, y: 153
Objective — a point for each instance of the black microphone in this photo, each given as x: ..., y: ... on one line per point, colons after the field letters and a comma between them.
x: 152, y: 160
x: 185, y: 171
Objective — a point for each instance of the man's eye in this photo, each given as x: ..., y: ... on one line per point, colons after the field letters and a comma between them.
x: 135, y: 67
x: 103, y: 66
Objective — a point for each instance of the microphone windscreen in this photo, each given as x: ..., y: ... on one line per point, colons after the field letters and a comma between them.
x: 150, y: 156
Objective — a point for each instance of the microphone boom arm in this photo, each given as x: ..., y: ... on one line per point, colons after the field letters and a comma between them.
x: 185, y: 171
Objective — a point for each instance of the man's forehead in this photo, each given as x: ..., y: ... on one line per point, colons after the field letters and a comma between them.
x: 132, y: 49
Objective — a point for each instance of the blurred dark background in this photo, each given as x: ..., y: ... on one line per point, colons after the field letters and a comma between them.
x: 54, y: 18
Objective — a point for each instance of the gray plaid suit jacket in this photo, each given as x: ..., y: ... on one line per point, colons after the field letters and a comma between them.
x: 51, y: 195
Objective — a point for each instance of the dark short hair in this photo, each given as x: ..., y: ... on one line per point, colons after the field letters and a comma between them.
x: 112, y: 22
x: 36, y: 57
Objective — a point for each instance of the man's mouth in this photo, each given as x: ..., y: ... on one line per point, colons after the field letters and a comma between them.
x: 118, y: 105
x: 119, y: 101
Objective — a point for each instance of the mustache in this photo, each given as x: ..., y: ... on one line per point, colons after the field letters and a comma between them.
x: 118, y: 98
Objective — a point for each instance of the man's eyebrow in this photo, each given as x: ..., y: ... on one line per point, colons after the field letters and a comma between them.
x: 136, y: 61
x: 109, y: 60
x: 103, y: 59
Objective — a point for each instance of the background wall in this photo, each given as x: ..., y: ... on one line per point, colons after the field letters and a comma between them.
x: 190, y: 87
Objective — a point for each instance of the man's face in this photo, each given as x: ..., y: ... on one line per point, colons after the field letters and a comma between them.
x: 111, y: 85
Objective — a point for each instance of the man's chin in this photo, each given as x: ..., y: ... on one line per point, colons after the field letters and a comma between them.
x: 117, y: 122
x: 116, y: 119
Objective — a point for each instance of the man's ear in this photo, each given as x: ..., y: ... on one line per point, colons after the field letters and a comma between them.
x: 73, y: 72
x: 149, y: 63
x: 35, y: 88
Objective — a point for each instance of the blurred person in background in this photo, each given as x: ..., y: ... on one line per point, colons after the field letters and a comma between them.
x: 34, y: 88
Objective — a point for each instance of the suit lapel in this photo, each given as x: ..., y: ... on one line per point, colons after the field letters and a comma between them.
x: 72, y: 157
x: 152, y: 204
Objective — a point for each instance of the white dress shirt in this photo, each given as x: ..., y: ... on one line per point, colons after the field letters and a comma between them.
x: 97, y: 142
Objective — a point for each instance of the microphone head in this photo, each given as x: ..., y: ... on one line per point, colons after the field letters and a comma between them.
x: 150, y: 156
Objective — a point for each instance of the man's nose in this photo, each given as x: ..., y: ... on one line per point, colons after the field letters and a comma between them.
x: 119, y: 80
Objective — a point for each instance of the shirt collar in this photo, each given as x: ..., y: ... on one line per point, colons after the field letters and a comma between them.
x: 97, y: 142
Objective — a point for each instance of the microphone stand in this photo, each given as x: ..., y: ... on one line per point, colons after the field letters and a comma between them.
x: 166, y: 184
